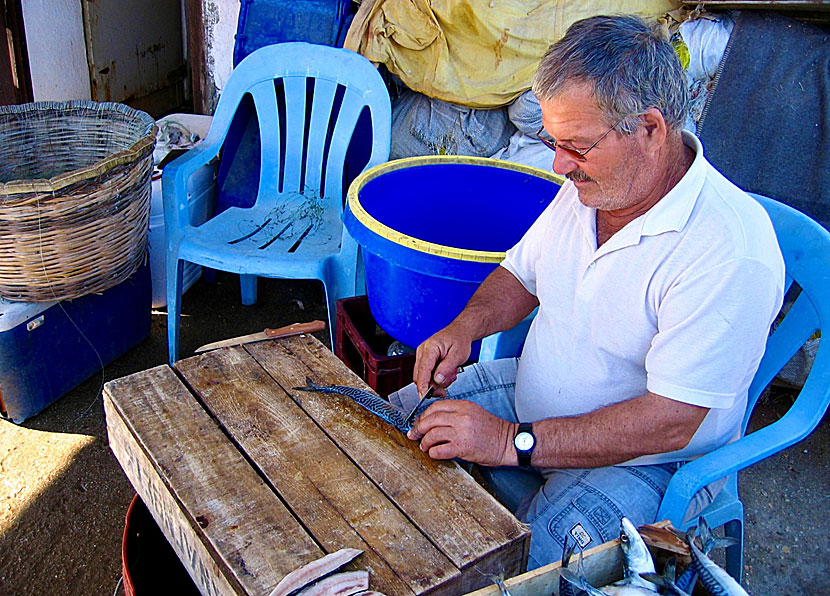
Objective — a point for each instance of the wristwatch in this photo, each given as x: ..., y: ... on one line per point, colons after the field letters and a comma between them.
x: 524, y: 442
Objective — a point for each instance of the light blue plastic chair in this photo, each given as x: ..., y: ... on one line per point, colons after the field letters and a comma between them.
x: 806, y: 248
x: 308, y: 100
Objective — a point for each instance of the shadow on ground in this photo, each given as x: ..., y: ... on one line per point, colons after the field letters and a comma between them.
x: 63, y: 496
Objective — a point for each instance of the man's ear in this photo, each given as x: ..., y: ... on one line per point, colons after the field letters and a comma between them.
x: 654, y: 126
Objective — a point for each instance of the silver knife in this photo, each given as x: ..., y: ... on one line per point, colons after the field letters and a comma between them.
x: 427, y: 395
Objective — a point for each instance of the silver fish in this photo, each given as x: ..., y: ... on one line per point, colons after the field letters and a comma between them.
x: 565, y: 587
x: 687, y: 581
x: 637, y: 557
x: 714, y: 578
x: 375, y: 404
x: 612, y: 590
x: 667, y: 580
x: 499, y: 581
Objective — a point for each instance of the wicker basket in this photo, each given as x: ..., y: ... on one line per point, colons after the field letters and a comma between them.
x: 74, y: 197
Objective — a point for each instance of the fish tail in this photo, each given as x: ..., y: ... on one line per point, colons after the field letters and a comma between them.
x: 310, y: 386
x: 706, y: 537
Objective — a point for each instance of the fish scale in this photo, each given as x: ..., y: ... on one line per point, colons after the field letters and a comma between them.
x: 375, y: 404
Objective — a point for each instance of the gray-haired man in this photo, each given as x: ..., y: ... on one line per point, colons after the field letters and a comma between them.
x: 656, y: 281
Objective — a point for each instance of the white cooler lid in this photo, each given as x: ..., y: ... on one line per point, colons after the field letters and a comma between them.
x: 13, y: 314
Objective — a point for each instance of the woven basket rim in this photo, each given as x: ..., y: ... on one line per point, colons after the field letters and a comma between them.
x: 56, y: 183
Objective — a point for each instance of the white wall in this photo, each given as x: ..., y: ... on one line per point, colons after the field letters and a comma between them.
x: 57, y: 52
x: 220, y: 19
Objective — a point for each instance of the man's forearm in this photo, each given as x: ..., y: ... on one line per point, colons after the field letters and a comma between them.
x: 500, y: 302
x: 645, y: 425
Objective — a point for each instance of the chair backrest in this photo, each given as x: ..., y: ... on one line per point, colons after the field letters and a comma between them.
x: 308, y: 99
x: 805, y: 245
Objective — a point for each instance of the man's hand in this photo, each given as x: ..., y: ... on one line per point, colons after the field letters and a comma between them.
x: 499, y: 303
x: 454, y: 428
x: 437, y: 359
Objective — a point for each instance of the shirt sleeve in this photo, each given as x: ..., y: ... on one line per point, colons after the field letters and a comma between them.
x: 712, y: 331
x: 521, y: 260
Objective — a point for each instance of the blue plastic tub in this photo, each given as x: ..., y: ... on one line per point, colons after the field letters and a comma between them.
x: 432, y: 228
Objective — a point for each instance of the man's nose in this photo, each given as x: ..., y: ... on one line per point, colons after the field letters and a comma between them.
x: 564, y: 164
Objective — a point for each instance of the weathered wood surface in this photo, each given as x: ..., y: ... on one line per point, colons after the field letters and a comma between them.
x: 235, y: 449
x: 440, y: 498
x: 217, y: 512
x: 340, y: 507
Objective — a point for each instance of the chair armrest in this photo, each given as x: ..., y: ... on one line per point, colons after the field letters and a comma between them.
x: 174, y: 183
x: 729, y: 459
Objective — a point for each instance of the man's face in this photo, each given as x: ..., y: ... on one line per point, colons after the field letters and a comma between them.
x: 611, y: 175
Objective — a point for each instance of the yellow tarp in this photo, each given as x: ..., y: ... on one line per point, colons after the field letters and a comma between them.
x: 477, y: 53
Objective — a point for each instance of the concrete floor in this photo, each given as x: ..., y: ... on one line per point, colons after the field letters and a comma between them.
x: 63, y: 497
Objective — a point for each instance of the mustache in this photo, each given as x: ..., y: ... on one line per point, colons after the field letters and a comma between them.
x: 579, y: 176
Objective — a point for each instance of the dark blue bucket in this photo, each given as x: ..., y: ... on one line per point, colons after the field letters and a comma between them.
x: 432, y: 228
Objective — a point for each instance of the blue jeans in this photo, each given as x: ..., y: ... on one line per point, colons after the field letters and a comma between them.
x: 586, y: 504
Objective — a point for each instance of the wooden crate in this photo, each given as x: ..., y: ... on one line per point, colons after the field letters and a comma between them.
x: 602, y: 565
x: 250, y: 479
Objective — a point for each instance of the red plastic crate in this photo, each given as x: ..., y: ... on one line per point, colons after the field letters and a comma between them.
x: 362, y: 345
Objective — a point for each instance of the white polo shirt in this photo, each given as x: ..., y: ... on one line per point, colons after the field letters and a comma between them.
x: 679, y: 302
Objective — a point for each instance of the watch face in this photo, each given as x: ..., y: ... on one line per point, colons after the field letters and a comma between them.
x: 524, y: 441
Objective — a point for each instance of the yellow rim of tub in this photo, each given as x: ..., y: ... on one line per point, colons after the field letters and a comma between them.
x: 481, y: 256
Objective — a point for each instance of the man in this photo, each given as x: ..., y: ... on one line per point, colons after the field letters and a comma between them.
x: 656, y: 281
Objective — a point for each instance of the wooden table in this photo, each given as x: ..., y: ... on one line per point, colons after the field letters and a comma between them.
x: 250, y: 479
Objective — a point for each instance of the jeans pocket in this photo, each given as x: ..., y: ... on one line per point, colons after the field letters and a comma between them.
x: 590, y: 519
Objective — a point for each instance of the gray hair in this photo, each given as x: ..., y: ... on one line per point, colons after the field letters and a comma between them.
x: 630, y: 65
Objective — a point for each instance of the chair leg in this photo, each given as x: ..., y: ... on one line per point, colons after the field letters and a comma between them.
x: 247, y: 285
x: 331, y: 304
x: 175, y: 268
x: 735, y: 554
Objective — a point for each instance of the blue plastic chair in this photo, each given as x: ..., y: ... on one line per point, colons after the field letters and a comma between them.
x: 806, y: 248
x: 308, y: 99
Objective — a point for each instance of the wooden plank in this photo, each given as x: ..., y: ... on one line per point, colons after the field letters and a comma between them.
x: 475, y: 532
x: 225, y: 505
x: 337, y: 503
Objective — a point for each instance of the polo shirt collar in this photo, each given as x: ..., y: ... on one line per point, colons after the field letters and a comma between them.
x: 670, y: 214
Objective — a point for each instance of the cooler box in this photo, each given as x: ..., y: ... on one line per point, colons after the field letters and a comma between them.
x: 202, y: 197
x: 43, y: 355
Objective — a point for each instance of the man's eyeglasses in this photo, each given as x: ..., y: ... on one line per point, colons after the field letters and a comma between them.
x: 573, y: 153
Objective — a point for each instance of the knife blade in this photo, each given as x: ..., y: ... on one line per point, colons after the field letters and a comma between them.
x: 287, y: 331
x: 427, y: 395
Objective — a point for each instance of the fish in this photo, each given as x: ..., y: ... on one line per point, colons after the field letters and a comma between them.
x: 374, y: 403
x: 339, y: 584
x: 565, y: 587
x: 611, y: 590
x: 713, y: 577
x: 311, y: 572
x: 667, y: 580
x: 499, y: 581
x: 637, y: 558
x: 708, y: 542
